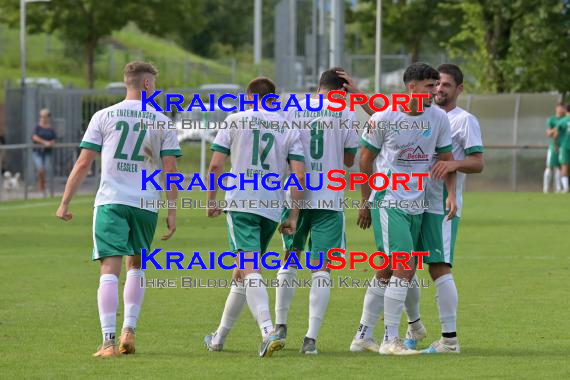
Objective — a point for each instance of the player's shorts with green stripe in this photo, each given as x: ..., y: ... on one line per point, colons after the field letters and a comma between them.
x: 249, y: 232
x: 438, y: 238
x: 395, y: 230
x: 121, y: 230
x: 325, y: 229
x: 564, y: 156
x: 552, y: 160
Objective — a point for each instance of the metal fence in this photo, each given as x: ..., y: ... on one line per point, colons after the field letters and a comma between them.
x: 513, y: 127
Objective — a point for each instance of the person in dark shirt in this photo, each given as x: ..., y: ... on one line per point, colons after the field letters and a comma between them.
x: 44, y: 135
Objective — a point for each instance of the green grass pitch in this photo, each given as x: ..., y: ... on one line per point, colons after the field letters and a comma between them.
x: 512, y: 271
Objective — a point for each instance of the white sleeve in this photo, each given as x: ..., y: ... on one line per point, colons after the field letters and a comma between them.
x: 373, y: 138
x: 223, y: 142
x: 443, y: 144
x: 295, y: 147
x: 351, y: 138
x: 93, y: 137
x: 170, y: 145
x: 471, y: 136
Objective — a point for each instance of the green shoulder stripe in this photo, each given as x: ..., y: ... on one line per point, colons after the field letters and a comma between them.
x: 474, y: 149
x: 296, y: 157
x: 369, y: 146
x: 171, y: 152
x: 90, y: 146
x: 221, y: 149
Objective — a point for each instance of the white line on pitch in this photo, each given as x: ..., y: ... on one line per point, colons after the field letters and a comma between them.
x: 41, y: 204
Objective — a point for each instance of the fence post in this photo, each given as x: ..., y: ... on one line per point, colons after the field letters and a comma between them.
x: 469, y: 102
x: 203, y: 145
x: 515, y: 140
x: 52, y: 173
x: 27, y: 154
x: 234, y: 70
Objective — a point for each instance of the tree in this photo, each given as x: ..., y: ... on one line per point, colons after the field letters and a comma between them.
x: 228, y: 27
x: 87, y: 22
x: 515, y: 45
x: 412, y: 26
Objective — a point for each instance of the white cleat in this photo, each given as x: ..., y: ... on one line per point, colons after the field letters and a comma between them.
x: 363, y: 345
x: 415, y: 336
x: 395, y: 347
x: 443, y: 346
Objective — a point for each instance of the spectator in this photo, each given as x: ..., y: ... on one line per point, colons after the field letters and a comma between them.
x: 44, y: 135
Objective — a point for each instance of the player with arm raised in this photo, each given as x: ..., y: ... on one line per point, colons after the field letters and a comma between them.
x: 399, y: 150
x: 261, y: 150
x: 438, y: 234
x: 328, y: 145
x: 120, y: 226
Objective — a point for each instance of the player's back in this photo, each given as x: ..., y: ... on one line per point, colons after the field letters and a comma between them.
x: 563, y: 127
x: 127, y: 148
x: 330, y: 135
x: 258, y: 145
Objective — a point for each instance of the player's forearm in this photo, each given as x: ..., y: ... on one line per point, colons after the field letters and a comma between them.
x: 471, y: 165
x: 367, y: 109
x: 349, y: 159
x: 76, y: 178
x: 217, y: 170
x: 366, y: 168
x: 297, y: 194
x: 450, y: 181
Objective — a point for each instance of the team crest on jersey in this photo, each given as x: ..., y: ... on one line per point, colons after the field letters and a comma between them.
x: 427, y: 133
x: 412, y: 154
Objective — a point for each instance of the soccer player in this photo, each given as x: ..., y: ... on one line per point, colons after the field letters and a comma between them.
x: 261, y: 150
x: 552, y: 163
x: 121, y: 227
x: 389, y: 147
x: 439, y: 234
x: 329, y: 144
x: 563, y: 140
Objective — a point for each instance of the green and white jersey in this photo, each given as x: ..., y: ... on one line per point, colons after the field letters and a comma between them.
x: 407, y: 146
x: 552, y: 123
x: 331, y: 134
x: 258, y: 150
x: 466, y: 140
x: 126, y: 150
x: 563, y: 126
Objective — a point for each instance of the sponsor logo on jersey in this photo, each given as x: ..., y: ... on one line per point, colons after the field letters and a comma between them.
x: 411, y: 154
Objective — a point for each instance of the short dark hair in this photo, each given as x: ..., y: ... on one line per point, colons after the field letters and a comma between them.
x: 261, y: 86
x: 420, y: 71
x: 453, y: 70
x: 561, y: 104
x: 330, y: 79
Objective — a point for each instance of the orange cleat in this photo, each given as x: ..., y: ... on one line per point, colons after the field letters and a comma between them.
x: 107, y: 350
x: 127, y: 341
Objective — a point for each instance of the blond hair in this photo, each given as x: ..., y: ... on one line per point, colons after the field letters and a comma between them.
x: 135, y: 71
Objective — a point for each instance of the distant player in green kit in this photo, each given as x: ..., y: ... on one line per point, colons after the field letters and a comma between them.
x: 120, y: 226
x: 552, y: 163
x: 562, y: 135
